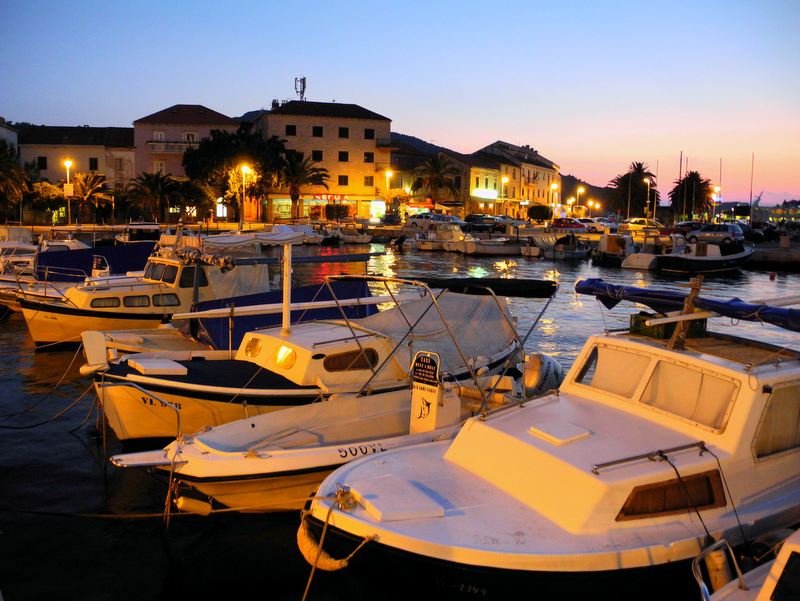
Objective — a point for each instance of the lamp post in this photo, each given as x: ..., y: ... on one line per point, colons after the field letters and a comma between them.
x: 569, y: 206
x: 718, y: 201
x: 647, y: 204
x: 245, y: 170
x: 67, y: 190
x: 578, y: 197
x: 590, y: 204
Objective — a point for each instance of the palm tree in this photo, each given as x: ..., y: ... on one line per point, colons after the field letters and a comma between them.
x: 300, y: 172
x: 152, y: 192
x: 14, y: 181
x: 629, y: 190
x: 435, y: 172
x: 89, y: 189
x: 692, y: 192
x: 191, y: 194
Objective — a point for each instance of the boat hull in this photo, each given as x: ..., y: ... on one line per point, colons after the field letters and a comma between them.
x: 399, y: 574
x: 678, y: 264
x: 52, y: 323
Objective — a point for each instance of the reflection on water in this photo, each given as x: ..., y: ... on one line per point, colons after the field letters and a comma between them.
x: 62, y: 468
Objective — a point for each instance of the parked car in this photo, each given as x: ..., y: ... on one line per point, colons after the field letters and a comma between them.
x: 568, y: 222
x: 423, y: 220
x: 640, y: 223
x: 717, y: 233
x: 593, y: 224
x: 484, y: 223
x: 752, y: 235
x: 455, y: 220
x: 391, y: 220
x: 682, y: 227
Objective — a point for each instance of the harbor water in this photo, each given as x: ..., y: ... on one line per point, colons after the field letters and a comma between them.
x: 72, y: 526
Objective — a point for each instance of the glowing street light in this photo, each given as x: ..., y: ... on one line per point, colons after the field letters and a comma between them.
x: 68, y: 190
x: 590, y: 204
x: 245, y: 170
x: 647, y: 204
x: 569, y: 206
x: 578, y: 197
x: 389, y: 174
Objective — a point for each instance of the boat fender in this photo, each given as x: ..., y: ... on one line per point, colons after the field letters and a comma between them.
x: 190, y: 505
x: 719, y: 573
x: 313, y: 552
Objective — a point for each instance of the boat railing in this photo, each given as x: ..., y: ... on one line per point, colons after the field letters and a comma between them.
x: 652, y: 456
x: 716, y: 548
x: 149, y: 394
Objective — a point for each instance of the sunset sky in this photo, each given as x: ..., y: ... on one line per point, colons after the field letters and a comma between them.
x: 593, y: 86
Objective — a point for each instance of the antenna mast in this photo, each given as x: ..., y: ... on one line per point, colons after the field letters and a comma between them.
x: 300, y: 87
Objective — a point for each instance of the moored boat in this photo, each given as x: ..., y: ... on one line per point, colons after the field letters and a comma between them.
x: 654, y: 444
x: 706, y: 258
x: 276, y: 368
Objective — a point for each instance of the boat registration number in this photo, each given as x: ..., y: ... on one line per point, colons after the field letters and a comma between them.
x: 362, y: 449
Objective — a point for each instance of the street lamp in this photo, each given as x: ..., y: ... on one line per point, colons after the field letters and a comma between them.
x: 590, y: 204
x: 647, y: 204
x: 68, y: 191
x: 389, y: 174
x: 578, y: 199
x: 569, y: 206
x: 245, y: 170
x: 718, y: 201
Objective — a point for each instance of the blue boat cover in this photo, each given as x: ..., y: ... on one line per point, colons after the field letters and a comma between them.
x: 214, y: 331
x: 663, y: 301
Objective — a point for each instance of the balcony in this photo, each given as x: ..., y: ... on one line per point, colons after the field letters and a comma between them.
x: 171, y: 147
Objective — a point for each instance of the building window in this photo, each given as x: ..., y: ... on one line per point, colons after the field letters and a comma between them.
x: 190, y: 137
x: 291, y: 130
x: 369, y: 157
x: 41, y: 163
x: 344, y: 156
x: 369, y: 134
x: 477, y: 182
x: 369, y: 180
x: 159, y: 166
x: 316, y: 155
x: 92, y: 163
x: 158, y: 136
x: 316, y: 131
x: 343, y: 180
x: 344, y: 132
x: 457, y: 181
x: 119, y: 165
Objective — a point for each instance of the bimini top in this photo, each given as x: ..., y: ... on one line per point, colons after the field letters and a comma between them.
x: 664, y: 301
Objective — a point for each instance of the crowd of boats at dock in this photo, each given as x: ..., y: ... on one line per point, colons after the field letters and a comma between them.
x: 409, y: 427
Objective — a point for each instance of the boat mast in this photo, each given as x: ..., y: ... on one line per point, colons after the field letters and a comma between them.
x: 287, y: 290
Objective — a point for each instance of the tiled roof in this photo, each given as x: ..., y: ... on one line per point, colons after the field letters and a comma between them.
x: 116, y: 137
x: 187, y: 114
x: 337, y: 110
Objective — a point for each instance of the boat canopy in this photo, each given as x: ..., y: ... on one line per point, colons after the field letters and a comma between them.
x: 663, y: 301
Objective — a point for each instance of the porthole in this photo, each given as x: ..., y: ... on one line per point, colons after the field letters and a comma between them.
x: 253, y: 347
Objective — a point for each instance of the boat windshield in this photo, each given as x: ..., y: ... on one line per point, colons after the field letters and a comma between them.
x: 680, y: 390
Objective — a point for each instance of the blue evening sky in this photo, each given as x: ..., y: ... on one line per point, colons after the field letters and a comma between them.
x: 592, y: 85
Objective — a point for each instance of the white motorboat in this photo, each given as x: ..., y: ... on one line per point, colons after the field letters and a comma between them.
x: 173, y: 279
x: 275, y: 368
x: 613, y: 249
x: 706, y: 258
x: 776, y: 579
x: 438, y: 234
x: 652, y: 248
x: 568, y: 247
x: 495, y: 246
x: 607, y: 489
x: 275, y: 461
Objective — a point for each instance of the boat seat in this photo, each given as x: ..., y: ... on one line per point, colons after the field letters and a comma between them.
x: 158, y: 367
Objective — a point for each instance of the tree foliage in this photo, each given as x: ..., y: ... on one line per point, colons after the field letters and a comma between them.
x: 90, y: 191
x: 628, y: 193
x: 692, y: 193
x: 539, y: 212
x: 301, y: 172
x: 152, y: 192
x: 14, y: 181
x: 435, y: 173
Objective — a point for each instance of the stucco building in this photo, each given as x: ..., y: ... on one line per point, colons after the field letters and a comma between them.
x: 351, y: 142
x: 163, y: 137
